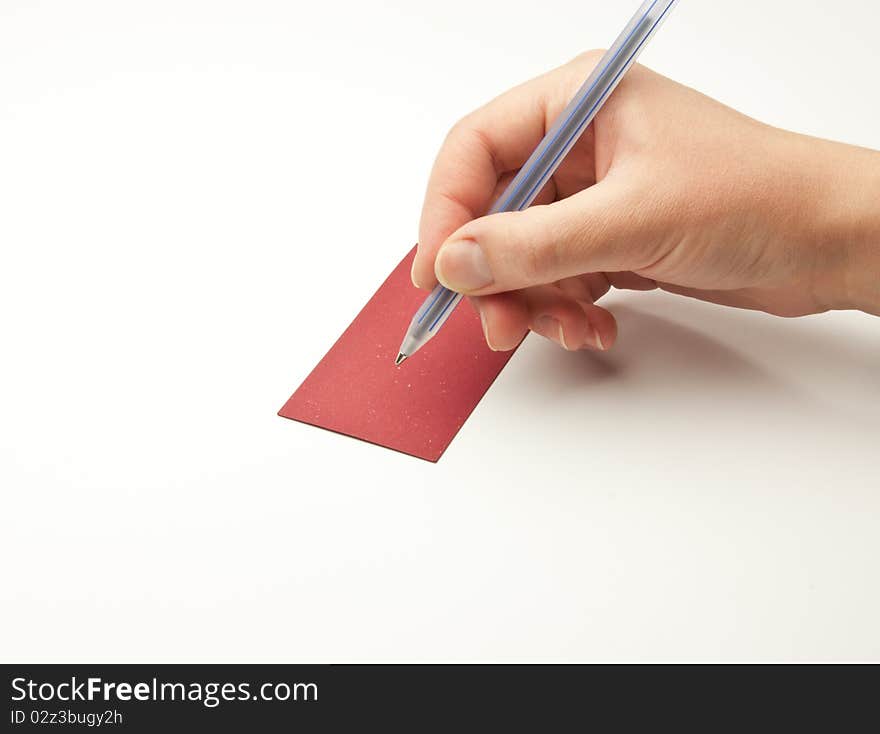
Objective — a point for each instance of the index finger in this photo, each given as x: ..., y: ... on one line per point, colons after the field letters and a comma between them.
x: 479, y: 150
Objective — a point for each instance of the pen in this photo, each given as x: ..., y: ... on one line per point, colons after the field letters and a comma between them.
x: 538, y: 169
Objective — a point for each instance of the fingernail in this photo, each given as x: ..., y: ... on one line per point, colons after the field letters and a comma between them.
x: 412, y: 275
x: 563, y: 342
x: 486, y: 330
x: 594, y: 341
x: 461, y: 266
x: 484, y: 323
x: 549, y: 328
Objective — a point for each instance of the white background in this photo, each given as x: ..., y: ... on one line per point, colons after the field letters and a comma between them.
x: 195, y: 200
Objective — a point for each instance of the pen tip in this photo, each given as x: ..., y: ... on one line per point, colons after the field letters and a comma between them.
x: 401, y: 358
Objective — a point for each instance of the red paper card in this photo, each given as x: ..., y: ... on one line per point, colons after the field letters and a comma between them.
x: 416, y: 408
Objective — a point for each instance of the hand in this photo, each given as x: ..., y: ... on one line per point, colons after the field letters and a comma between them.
x: 667, y: 188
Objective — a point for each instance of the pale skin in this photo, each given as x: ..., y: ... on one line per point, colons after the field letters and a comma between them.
x: 668, y: 188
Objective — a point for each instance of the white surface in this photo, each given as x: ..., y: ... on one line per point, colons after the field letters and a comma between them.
x: 196, y: 199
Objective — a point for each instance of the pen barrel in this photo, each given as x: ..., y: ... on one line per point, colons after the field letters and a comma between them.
x: 434, y: 312
x: 582, y: 109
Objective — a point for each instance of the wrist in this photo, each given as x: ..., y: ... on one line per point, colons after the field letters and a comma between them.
x: 849, y: 228
x: 863, y: 278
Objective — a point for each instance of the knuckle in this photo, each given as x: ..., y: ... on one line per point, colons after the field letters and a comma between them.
x: 467, y: 135
x: 455, y: 131
x: 461, y: 129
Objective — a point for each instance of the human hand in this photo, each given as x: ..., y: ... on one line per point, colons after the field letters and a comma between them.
x: 667, y: 188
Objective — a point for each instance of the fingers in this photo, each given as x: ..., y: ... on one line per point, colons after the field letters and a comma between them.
x: 505, y: 319
x: 492, y: 141
x: 592, y: 231
x: 574, y: 325
x: 548, y: 311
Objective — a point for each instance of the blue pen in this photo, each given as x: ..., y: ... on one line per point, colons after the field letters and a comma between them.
x: 538, y: 170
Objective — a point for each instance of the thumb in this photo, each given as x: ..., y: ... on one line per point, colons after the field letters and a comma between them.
x: 543, y: 244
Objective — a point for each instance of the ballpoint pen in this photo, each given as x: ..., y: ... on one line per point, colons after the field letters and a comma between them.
x: 538, y: 169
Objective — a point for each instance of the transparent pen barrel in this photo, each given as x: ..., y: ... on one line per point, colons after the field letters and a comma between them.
x: 538, y: 170
x: 436, y: 309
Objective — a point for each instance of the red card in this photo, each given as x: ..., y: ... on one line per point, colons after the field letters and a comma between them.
x: 416, y: 408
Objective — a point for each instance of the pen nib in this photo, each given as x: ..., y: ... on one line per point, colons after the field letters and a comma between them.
x: 401, y: 358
